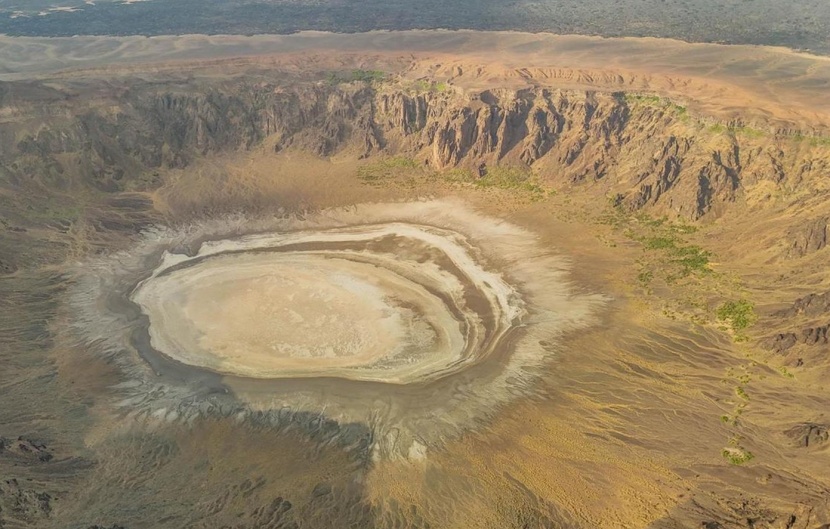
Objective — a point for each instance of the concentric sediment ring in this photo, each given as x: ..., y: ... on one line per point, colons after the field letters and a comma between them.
x: 390, y: 303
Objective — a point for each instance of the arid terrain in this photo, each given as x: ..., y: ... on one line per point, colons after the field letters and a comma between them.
x: 411, y: 280
x: 796, y: 24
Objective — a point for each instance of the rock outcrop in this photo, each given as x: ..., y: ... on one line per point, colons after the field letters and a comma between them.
x: 810, y: 336
x: 646, y: 153
x: 808, y: 238
x: 809, y: 434
x: 22, y: 506
x: 25, y: 449
x: 811, y: 305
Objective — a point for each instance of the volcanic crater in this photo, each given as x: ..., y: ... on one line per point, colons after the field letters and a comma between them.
x: 387, y: 314
x: 434, y: 279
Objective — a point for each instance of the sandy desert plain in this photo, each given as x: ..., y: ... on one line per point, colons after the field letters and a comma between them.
x: 413, y: 279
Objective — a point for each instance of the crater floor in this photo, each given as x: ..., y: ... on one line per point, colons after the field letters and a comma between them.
x: 389, y: 303
x: 388, y: 314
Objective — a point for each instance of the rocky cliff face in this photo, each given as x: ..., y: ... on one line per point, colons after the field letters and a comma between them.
x: 808, y: 238
x: 641, y: 152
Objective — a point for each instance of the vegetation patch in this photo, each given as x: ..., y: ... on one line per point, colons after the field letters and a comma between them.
x: 381, y: 170
x: 458, y: 175
x: 676, y: 258
x: 356, y: 76
x: 735, y: 453
x: 741, y: 392
x: 656, y: 101
x: 740, y: 315
x: 645, y: 277
x: 500, y: 177
x: 424, y: 85
x: 751, y: 132
x: 402, y: 170
x: 815, y: 141
x: 785, y: 372
x: 684, y: 259
x: 643, y: 98
x: 737, y: 456
x: 510, y: 178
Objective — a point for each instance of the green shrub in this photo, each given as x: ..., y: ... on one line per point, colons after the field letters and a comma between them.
x: 739, y: 314
x: 364, y: 76
x: 737, y: 456
x: 385, y: 168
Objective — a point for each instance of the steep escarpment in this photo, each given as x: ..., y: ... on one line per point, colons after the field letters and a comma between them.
x: 642, y: 152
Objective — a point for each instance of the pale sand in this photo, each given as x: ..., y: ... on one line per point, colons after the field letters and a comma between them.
x: 747, y: 83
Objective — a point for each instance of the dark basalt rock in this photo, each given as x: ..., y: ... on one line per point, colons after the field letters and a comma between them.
x: 810, y: 336
x: 322, y: 489
x: 811, y: 305
x: 23, y: 504
x: 24, y: 448
x: 809, y: 434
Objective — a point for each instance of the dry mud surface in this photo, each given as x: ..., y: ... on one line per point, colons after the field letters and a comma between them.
x: 321, y: 304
